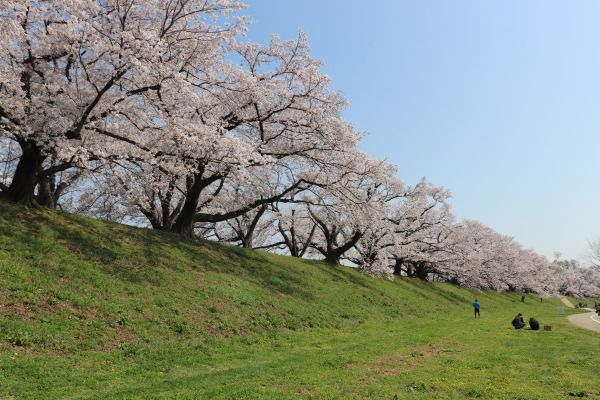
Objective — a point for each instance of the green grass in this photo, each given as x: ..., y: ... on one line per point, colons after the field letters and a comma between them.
x: 93, y: 310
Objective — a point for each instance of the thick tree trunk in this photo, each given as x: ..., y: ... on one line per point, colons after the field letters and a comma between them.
x: 422, y: 271
x: 334, y: 255
x: 333, y: 258
x: 184, y: 224
x: 185, y: 220
x: 25, y: 179
x: 398, y: 266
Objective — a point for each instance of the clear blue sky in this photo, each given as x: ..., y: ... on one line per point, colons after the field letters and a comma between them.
x: 497, y: 101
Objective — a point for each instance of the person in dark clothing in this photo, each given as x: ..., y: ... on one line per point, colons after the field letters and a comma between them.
x: 518, y: 322
x: 476, y: 306
x: 598, y: 309
x: 523, y: 299
x: 534, y: 324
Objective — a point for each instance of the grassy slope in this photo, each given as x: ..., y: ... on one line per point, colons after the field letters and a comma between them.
x: 98, y: 310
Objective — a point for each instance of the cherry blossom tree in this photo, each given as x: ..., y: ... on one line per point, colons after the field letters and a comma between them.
x: 242, y: 229
x: 296, y: 228
x: 421, y: 224
x: 578, y: 282
x: 483, y: 257
x: 345, y: 210
x: 283, y: 119
x: 338, y: 233
x: 51, y: 187
x: 77, y: 77
x: 271, y: 124
x: 480, y: 258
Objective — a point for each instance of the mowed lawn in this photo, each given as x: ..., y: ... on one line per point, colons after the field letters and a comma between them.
x: 441, y: 356
x: 91, y: 310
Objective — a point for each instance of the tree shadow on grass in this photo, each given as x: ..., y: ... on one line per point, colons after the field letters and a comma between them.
x: 344, y: 273
x: 288, y: 280
x: 260, y: 267
x: 126, y: 253
x: 140, y: 255
x: 452, y: 297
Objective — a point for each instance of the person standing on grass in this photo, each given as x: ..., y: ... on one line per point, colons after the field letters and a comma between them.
x: 476, y: 306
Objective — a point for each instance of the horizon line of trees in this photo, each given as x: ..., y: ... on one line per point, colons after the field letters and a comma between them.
x: 159, y: 113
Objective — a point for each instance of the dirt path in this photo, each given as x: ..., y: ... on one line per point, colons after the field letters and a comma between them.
x: 589, y: 320
x: 567, y: 302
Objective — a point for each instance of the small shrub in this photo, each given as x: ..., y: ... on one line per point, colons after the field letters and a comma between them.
x: 129, y: 349
x: 53, y: 301
x: 474, y: 393
x: 274, y: 320
x: 123, y: 320
x: 213, y: 309
x: 19, y: 338
x: 417, y: 387
x: 161, y: 302
x: 181, y: 327
x: 293, y: 323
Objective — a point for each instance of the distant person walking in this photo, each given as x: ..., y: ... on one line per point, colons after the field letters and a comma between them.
x: 476, y: 306
x: 522, y: 299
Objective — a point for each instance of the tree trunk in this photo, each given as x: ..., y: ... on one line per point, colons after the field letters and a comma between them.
x: 185, y: 220
x: 333, y: 256
x: 25, y: 179
x: 46, y: 196
x: 398, y: 266
x: 421, y: 271
x: 247, y: 240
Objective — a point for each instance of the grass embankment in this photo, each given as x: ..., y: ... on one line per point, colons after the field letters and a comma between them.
x: 99, y: 310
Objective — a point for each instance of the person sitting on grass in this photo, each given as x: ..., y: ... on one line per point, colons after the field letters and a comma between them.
x: 534, y: 324
x: 518, y: 322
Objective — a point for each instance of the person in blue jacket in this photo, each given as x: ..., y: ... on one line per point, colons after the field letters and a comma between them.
x: 476, y: 306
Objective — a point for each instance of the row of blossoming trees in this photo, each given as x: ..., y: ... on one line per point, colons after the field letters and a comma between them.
x: 158, y: 112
